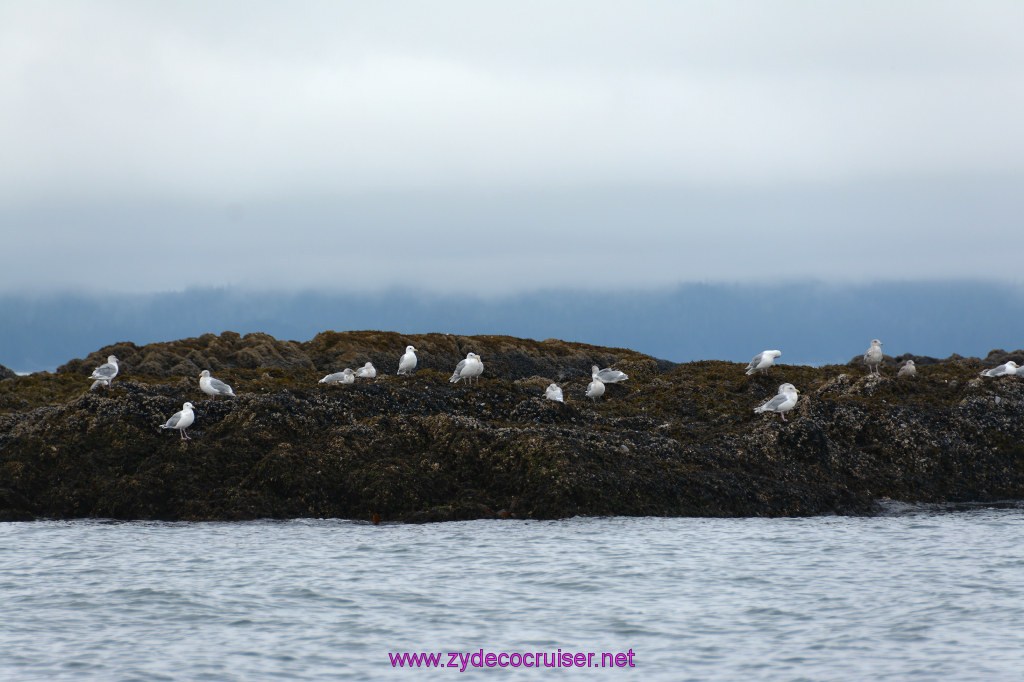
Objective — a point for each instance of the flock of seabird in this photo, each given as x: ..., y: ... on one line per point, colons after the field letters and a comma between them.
x: 472, y: 367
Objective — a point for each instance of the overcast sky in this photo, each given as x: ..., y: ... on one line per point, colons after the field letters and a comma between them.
x: 148, y: 146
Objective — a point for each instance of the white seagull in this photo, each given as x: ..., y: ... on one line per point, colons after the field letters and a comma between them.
x: 907, y: 370
x: 1008, y: 368
x: 873, y: 356
x: 606, y: 375
x: 763, y: 361
x: 345, y: 376
x: 554, y: 392
x: 596, y: 389
x: 781, y: 403
x: 213, y: 387
x: 407, y: 363
x: 181, y: 420
x: 367, y: 371
x: 471, y: 367
x: 105, y: 373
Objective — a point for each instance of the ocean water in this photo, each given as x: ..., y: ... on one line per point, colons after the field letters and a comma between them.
x: 919, y: 593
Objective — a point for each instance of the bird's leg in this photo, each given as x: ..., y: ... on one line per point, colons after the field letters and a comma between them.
x: 783, y: 415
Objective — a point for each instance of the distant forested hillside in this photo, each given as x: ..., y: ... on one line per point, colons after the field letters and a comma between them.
x: 811, y: 323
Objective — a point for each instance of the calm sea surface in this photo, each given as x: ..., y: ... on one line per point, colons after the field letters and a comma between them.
x: 916, y: 594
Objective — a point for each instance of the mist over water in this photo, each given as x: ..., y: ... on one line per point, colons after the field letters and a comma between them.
x: 811, y: 322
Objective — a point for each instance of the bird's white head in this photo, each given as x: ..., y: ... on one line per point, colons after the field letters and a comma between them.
x: 410, y: 349
x: 1011, y: 363
x: 205, y: 373
x: 775, y: 353
x: 876, y: 342
x: 112, y: 359
x: 788, y: 388
x: 187, y: 406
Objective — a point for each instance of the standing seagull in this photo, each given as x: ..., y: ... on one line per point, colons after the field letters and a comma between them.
x: 763, y: 361
x: 606, y: 375
x: 468, y: 368
x: 181, y: 420
x: 367, y: 371
x: 781, y: 403
x: 554, y: 392
x: 345, y: 376
x: 213, y: 387
x: 907, y: 370
x: 873, y: 356
x: 407, y: 363
x: 596, y: 389
x: 105, y: 373
x: 1008, y: 368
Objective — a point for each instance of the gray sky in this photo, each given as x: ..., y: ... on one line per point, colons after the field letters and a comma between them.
x: 465, y: 145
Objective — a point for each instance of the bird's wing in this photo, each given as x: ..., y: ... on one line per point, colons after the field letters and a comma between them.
x: 775, y: 403
x: 173, y: 421
x: 459, y: 367
x: 105, y: 370
x: 220, y: 386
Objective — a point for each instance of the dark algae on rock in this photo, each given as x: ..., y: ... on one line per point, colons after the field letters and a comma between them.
x: 673, y: 440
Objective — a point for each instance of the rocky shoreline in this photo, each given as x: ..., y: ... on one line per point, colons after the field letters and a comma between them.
x: 673, y: 440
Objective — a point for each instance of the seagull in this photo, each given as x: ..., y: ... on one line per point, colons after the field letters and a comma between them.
x: 873, y: 356
x: 553, y: 392
x: 181, y: 420
x: 907, y: 370
x: 105, y: 373
x: 763, y: 361
x: 468, y: 368
x: 1008, y: 368
x: 781, y: 403
x: 607, y: 376
x: 596, y: 389
x: 367, y: 371
x: 213, y: 387
x: 408, y: 361
x: 345, y: 376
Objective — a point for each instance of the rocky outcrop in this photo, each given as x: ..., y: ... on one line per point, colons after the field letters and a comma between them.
x: 672, y: 440
x: 6, y: 373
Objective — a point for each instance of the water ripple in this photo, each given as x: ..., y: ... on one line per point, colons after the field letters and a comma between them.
x: 919, y: 593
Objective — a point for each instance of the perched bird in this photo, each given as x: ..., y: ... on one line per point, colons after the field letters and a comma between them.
x: 554, y: 392
x: 213, y: 387
x: 606, y: 375
x: 407, y: 363
x: 105, y: 373
x: 781, y: 403
x: 468, y: 368
x: 367, y: 371
x: 345, y: 376
x: 873, y: 356
x: 595, y: 389
x: 1008, y: 368
x: 763, y: 361
x: 181, y: 420
x: 907, y: 370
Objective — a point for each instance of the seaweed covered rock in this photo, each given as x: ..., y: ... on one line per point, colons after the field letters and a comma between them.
x: 6, y: 373
x: 672, y: 440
